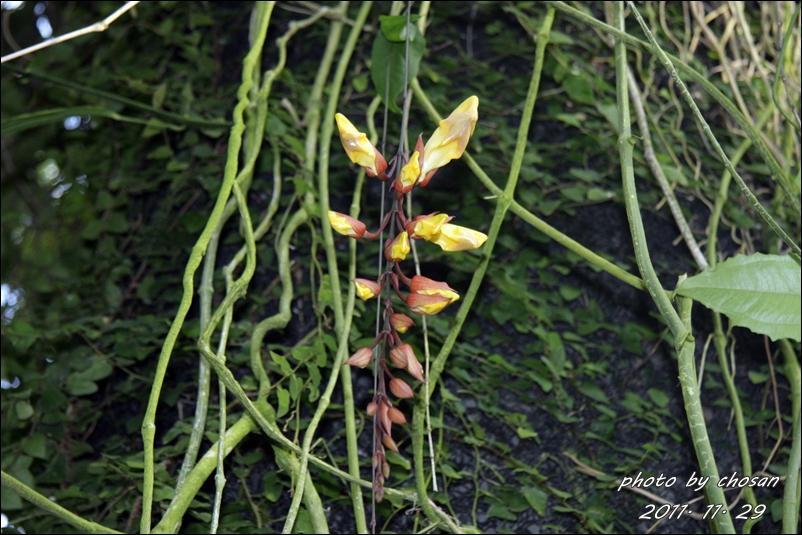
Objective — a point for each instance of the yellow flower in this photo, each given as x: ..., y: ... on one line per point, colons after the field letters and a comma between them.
x: 428, y: 226
x: 366, y: 289
x: 358, y: 148
x: 398, y: 249
x: 448, y: 142
x: 427, y: 305
x: 421, y: 285
x: 457, y: 238
x: 346, y: 225
x: 409, y: 174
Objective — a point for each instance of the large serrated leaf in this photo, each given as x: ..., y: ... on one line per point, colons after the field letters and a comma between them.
x: 760, y: 292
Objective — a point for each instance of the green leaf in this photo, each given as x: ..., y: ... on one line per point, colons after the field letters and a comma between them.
x: 536, y: 498
x: 760, y: 292
x: 659, y: 397
x: 23, y: 409
x: 393, y: 28
x: 35, y: 446
x: 22, y: 334
x: 501, y: 511
x: 77, y: 385
x: 158, y: 96
x: 283, y: 401
x: 526, y: 432
x: 388, y: 60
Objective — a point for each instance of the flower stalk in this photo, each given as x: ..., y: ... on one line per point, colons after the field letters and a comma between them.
x: 421, y: 295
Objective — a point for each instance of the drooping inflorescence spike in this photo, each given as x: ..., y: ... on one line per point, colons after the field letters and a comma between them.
x: 420, y: 294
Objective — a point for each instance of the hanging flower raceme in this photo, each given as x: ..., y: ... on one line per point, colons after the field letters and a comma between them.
x: 390, y: 355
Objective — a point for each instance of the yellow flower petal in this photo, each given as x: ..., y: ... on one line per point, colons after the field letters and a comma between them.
x: 346, y: 225
x: 421, y: 285
x: 366, y: 289
x: 448, y: 142
x: 410, y: 172
x: 399, y: 248
x: 427, y: 305
x: 356, y: 144
x: 428, y: 227
x: 457, y: 238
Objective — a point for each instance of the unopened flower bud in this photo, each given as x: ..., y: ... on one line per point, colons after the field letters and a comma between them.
x: 346, y: 225
x: 371, y: 408
x: 386, y: 469
x: 361, y: 358
x: 399, y: 355
x: 400, y: 389
x: 414, y: 367
x: 396, y: 416
x: 389, y: 443
x: 401, y: 322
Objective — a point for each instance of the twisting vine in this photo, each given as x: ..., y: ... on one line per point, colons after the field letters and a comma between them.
x: 678, y: 323
x: 198, y: 250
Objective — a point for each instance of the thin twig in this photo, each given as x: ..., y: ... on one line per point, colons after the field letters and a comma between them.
x: 100, y: 26
x: 657, y: 171
x: 29, y: 494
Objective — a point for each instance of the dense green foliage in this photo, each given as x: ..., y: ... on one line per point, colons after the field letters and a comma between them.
x: 563, y: 379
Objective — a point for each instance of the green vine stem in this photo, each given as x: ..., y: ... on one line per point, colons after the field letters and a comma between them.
x: 679, y: 324
x: 254, y: 137
x: 569, y: 243
x: 791, y: 491
x: 199, y: 474
x: 237, y: 288
x: 312, y: 121
x: 779, y: 77
x: 719, y: 337
x: 261, y: 412
x: 348, y: 395
x: 502, y: 206
x: 757, y: 138
x: 753, y: 200
x: 27, y: 493
x: 342, y: 323
x: 220, y: 477
x: 206, y: 293
x: 198, y: 250
x: 422, y: 14
x: 81, y: 89
x: 659, y: 175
